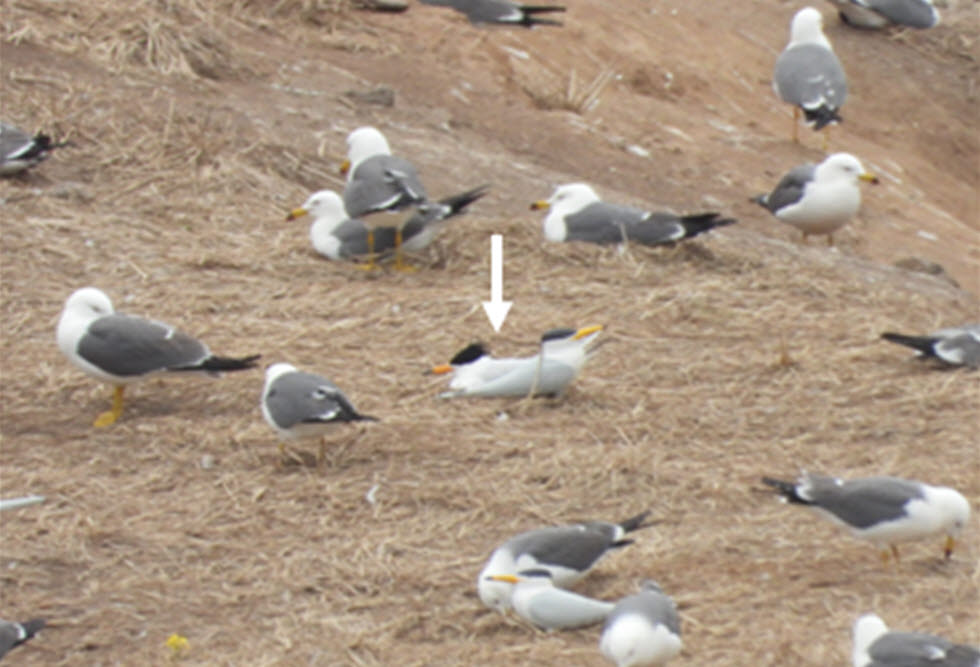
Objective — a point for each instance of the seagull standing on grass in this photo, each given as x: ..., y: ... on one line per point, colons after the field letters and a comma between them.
x: 337, y: 236
x: 643, y: 630
x: 562, y: 356
x: 956, y: 346
x: 575, y: 213
x: 14, y: 634
x: 303, y: 405
x: 376, y: 179
x: 808, y: 74
x: 120, y: 349
x: 501, y: 12
x: 819, y: 199
x: 877, y: 646
x: 567, y: 553
x: 882, y: 510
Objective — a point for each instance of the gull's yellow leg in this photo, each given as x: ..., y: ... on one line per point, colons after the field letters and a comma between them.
x: 884, y: 556
x: 110, y: 417
x: 948, y: 549
x: 370, y: 265
x: 895, y: 553
x: 796, y: 123
x: 400, y: 264
x: 830, y: 239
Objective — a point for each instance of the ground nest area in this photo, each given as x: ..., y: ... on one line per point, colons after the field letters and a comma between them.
x: 196, y: 126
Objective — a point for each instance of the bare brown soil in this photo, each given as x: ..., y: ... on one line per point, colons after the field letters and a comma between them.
x: 198, y: 125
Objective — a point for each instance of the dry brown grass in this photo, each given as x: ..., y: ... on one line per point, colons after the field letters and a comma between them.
x: 173, y: 205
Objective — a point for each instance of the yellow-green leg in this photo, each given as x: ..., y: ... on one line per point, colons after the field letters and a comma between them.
x: 948, y: 548
x: 110, y: 417
x: 400, y: 264
x: 370, y: 265
x: 796, y: 123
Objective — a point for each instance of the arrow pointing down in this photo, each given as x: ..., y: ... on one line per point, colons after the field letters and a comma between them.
x: 496, y: 307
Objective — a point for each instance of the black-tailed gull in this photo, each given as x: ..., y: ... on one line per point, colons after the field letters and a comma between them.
x: 536, y: 599
x: 819, y: 199
x: 566, y: 552
x: 298, y: 404
x: 877, y: 646
x: 337, y: 236
x: 642, y: 630
x: 376, y: 179
x: 562, y: 356
x: 956, y: 346
x: 882, y: 510
x: 575, y: 213
x: 876, y: 14
x: 14, y: 634
x: 808, y: 74
x: 20, y: 151
x: 120, y: 349
x: 502, y: 12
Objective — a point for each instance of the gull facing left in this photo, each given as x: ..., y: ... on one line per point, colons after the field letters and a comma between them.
x: 121, y: 349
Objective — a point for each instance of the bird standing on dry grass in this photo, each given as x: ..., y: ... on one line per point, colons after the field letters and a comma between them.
x: 877, y: 646
x: 885, y: 511
x: 808, y: 74
x: 303, y: 405
x: 956, y: 346
x: 121, y: 349
x: 819, y: 199
x: 501, y: 12
x: 642, y: 630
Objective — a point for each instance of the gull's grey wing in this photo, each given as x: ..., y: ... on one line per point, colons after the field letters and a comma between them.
x: 381, y: 183
x: 810, y: 76
x: 600, y: 222
x: 915, y: 649
x: 790, y: 188
x: 574, y: 547
x: 298, y: 397
x: 650, y: 604
x: 127, y: 346
x: 911, y: 13
x: 14, y: 142
x: 961, y: 348
x: 353, y: 237
x: 13, y: 634
x: 862, y: 503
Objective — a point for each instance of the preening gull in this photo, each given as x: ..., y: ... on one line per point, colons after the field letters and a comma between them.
x: 376, y: 179
x: 808, y: 74
x: 562, y: 356
x: 504, y: 12
x: 303, y: 405
x: 575, y: 213
x: 643, y: 629
x: 882, y: 510
x: 536, y: 599
x: 876, y: 14
x: 20, y: 151
x: 819, y: 199
x: 335, y: 235
x: 120, y: 349
x: 956, y: 346
x: 566, y: 552
x: 877, y: 646
x: 14, y: 634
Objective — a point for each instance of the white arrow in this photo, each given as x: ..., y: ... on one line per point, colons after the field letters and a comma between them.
x: 496, y: 307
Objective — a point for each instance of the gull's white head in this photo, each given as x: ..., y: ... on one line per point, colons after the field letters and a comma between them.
x: 323, y: 205
x: 867, y: 629
x: 955, y: 510
x: 365, y: 142
x: 843, y: 167
x: 569, y: 198
x: 275, y: 370
x: 807, y: 28
x: 88, y: 303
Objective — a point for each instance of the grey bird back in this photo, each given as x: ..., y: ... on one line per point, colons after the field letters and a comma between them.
x: 127, y: 346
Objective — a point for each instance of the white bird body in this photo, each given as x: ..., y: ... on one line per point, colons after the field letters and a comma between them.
x: 536, y: 600
x: 643, y: 630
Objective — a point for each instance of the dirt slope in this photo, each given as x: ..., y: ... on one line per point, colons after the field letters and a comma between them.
x: 197, y: 125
